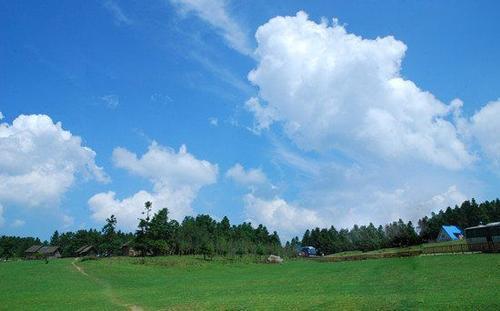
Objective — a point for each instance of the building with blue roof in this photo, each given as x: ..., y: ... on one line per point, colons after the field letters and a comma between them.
x: 449, y: 233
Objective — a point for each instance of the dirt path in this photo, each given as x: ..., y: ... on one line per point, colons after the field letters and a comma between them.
x: 107, y: 289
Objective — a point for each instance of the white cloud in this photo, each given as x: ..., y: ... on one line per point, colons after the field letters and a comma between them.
x: 67, y: 221
x: 215, y: 13
x: 39, y: 161
x: 264, y: 116
x: 450, y: 197
x: 117, y: 13
x: 348, y: 192
x: 279, y: 215
x: 250, y: 177
x: 2, y: 220
x: 18, y: 223
x: 176, y: 177
x: 213, y: 121
x: 1, y: 116
x: 335, y: 90
x: 164, y: 167
x: 111, y: 101
x: 485, y: 127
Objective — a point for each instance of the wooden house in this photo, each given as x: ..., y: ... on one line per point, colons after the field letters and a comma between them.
x: 128, y: 250
x: 86, y: 251
x: 50, y: 252
x: 32, y: 252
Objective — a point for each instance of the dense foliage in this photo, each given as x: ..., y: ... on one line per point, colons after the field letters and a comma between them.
x: 398, y: 234
x: 156, y: 234
x: 104, y: 243
x: 467, y: 215
x: 364, y: 238
x: 13, y: 246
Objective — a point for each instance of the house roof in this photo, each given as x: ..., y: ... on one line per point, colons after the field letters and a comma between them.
x: 86, y: 249
x: 452, y: 231
x: 81, y: 249
x: 48, y: 249
x: 128, y: 243
x: 491, y: 224
x: 33, y: 249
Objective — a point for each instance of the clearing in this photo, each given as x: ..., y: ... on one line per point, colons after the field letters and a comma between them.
x: 470, y: 281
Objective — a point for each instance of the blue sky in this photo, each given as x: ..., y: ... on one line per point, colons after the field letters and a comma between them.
x: 310, y: 121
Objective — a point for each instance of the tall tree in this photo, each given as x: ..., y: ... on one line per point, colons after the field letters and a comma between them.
x: 110, y: 244
x: 142, y: 241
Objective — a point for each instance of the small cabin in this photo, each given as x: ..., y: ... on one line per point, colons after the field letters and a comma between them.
x: 86, y: 251
x: 128, y: 250
x: 32, y: 252
x: 449, y: 233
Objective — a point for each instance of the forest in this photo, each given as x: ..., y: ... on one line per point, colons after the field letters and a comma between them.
x: 400, y: 234
x: 157, y: 234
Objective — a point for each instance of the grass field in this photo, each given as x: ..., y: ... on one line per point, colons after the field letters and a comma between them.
x: 187, y: 283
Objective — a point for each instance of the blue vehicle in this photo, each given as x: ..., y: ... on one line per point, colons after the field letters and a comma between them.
x: 307, y: 251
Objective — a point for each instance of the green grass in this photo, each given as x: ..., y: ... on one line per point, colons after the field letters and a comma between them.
x: 34, y: 285
x: 427, y: 282
x: 422, y: 247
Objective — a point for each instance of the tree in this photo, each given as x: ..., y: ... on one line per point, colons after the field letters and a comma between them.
x: 110, y: 243
x: 161, y: 231
x: 54, y: 240
x: 142, y: 241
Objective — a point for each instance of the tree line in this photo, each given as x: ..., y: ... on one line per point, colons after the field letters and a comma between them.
x: 363, y: 238
x: 13, y: 246
x: 398, y: 234
x: 201, y: 235
x: 468, y: 214
x: 157, y: 234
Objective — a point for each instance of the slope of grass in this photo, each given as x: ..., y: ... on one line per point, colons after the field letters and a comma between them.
x: 34, y: 285
x: 187, y: 283
x: 421, y: 247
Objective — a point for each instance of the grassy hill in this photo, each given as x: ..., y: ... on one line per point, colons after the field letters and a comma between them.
x: 187, y: 283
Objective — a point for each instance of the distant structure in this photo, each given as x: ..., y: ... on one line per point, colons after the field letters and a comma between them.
x: 40, y: 251
x: 484, y: 237
x: 50, y: 252
x: 86, y: 251
x: 32, y: 252
x: 449, y: 233
x: 307, y: 251
x: 128, y: 250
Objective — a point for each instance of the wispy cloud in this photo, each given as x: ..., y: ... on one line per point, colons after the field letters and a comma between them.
x: 111, y: 101
x: 116, y: 11
x: 222, y: 73
x: 213, y: 121
x: 215, y: 13
x: 18, y: 223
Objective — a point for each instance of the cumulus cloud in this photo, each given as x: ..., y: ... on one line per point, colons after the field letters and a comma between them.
x: 215, y: 13
x: 333, y: 90
x: 485, y: 127
x: 264, y: 115
x: 1, y: 115
x: 250, y: 177
x: 39, y: 161
x: 450, y: 197
x: 279, y: 215
x: 176, y: 178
